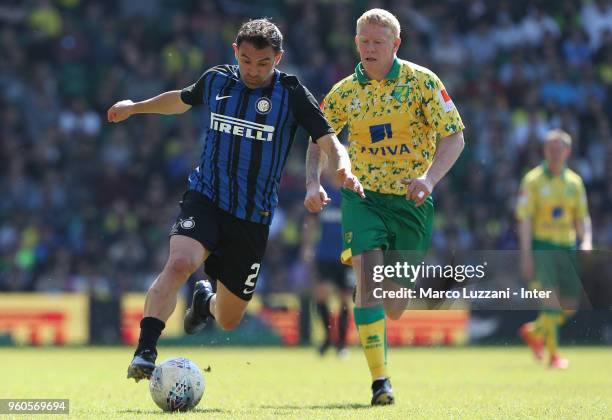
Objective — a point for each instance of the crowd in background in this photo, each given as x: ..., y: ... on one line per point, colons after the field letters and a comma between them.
x: 85, y: 205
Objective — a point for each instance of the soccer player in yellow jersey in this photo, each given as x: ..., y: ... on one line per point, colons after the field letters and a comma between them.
x: 552, y: 215
x: 404, y: 135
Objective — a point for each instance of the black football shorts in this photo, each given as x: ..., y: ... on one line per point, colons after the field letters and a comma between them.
x: 236, y: 246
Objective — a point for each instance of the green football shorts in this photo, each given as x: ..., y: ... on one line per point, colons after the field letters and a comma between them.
x: 384, y: 221
x: 556, y: 268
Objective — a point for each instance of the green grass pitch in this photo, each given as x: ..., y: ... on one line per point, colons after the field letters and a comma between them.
x: 429, y: 383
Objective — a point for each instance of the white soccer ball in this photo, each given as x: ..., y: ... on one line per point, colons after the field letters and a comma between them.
x: 177, y: 384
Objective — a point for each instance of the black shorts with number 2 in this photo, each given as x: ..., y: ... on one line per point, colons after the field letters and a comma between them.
x: 236, y: 246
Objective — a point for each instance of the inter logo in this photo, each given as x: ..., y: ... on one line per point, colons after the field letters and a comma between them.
x: 188, y: 223
x: 557, y: 212
x: 263, y: 105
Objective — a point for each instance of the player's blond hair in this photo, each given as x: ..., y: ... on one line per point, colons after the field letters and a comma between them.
x: 380, y: 17
x: 558, y: 134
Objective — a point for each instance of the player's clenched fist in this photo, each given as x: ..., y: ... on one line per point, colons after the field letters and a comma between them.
x: 418, y: 189
x: 122, y: 110
x: 350, y: 181
x: 316, y: 198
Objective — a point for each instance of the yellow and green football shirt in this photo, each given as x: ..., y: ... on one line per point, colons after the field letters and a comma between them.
x: 553, y: 204
x: 393, y: 125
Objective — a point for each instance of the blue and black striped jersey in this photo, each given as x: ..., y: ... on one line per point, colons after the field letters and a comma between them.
x: 248, y: 139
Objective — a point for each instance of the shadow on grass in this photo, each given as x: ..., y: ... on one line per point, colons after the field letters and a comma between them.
x: 197, y: 410
x: 333, y: 406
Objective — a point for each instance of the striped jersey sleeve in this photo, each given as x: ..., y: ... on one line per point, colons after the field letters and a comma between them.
x: 306, y: 110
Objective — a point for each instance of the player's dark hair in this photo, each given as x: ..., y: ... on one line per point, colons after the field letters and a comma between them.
x: 261, y: 33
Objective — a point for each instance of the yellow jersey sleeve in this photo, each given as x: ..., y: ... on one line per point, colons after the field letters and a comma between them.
x: 525, y: 205
x: 438, y: 107
x: 582, y: 208
x: 334, y: 109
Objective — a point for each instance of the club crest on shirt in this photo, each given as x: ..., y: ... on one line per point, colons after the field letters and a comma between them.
x: 263, y: 105
x: 401, y: 92
x: 188, y: 223
x: 348, y: 237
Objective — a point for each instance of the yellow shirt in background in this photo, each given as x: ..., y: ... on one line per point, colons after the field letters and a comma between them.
x: 553, y: 204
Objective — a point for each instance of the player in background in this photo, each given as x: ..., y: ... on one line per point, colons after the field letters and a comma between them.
x: 255, y: 111
x: 321, y: 247
x: 552, y: 217
x: 404, y: 135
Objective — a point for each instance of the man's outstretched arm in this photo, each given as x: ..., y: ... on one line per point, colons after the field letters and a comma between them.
x: 338, y: 159
x: 167, y: 103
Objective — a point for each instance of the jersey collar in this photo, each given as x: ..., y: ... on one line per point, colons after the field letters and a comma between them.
x: 363, y: 78
x: 550, y: 174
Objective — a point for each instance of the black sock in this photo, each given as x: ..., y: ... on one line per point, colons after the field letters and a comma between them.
x: 203, y: 308
x: 342, y: 327
x: 150, y: 330
x: 324, y: 314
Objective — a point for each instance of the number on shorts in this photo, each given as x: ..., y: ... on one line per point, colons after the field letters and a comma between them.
x: 250, y: 281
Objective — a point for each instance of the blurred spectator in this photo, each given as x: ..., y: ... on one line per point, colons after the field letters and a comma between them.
x: 597, y: 20
x: 536, y: 25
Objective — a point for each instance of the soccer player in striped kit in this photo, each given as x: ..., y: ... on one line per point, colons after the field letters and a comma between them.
x: 255, y: 111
